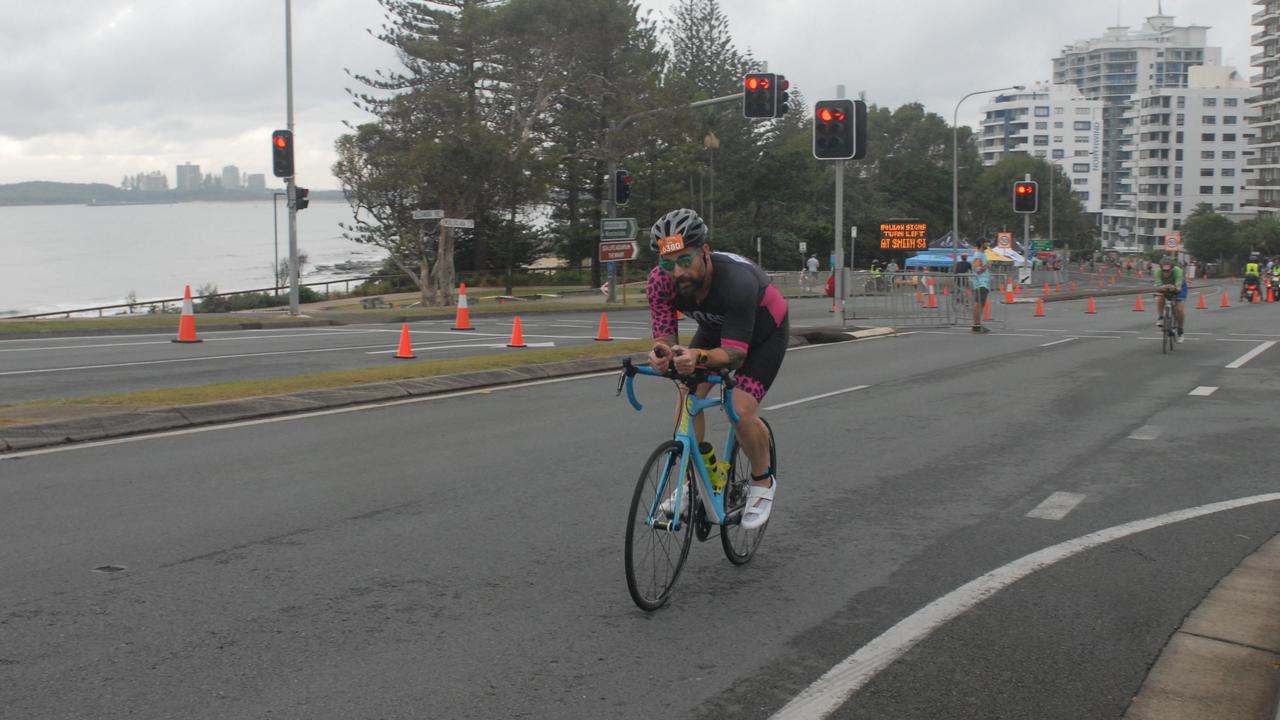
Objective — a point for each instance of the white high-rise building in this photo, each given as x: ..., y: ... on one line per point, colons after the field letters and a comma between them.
x: 231, y: 178
x: 1122, y: 64
x: 1266, y: 106
x: 1052, y: 122
x: 1192, y: 145
x: 188, y: 177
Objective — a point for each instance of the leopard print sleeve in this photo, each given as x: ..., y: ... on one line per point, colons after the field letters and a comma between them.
x: 661, y: 291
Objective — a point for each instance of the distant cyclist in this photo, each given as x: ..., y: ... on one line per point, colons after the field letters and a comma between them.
x: 742, y: 325
x: 1170, y: 286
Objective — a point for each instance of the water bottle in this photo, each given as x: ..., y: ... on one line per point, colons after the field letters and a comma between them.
x: 719, y: 471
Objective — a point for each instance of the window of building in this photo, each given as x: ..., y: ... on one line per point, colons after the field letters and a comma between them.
x: 1177, y: 171
x: 1081, y: 153
x: 1208, y: 119
x: 1206, y: 172
x: 1042, y: 111
x: 1182, y: 120
x: 1177, y: 190
x: 1178, y: 136
x: 1177, y: 223
x: 1207, y: 137
x: 1041, y: 139
x: 1228, y: 119
x: 1228, y: 154
x: 1059, y: 110
x: 1228, y: 172
x: 1057, y: 138
x: 1083, y: 125
x: 1206, y: 154
x: 1227, y: 190
x: 1059, y: 153
x: 1177, y: 208
x: 1226, y: 207
x: 1082, y: 111
x: 1206, y: 189
x: 1080, y: 181
x: 1080, y: 167
x: 1211, y: 102
x: 1082, y: 138
x: 1228, y: 137
x: 1040, y: 153
x: 1182, y: 101
x: 1230, y: 102
x: 1057, y: 125
x: 1042, y: 126
x: 1177, y: 155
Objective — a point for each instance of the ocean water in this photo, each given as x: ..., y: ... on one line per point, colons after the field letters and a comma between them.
x: 62, y: 257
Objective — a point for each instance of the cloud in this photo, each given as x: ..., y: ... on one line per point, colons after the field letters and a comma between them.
x: 91, y: 90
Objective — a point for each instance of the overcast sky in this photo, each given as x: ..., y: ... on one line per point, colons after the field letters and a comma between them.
x: 92, y: 90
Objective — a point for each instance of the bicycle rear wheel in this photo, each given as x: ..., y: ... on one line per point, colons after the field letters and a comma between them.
x: 1166, y: 344
x: 739, y: 543
x: 655, y: 553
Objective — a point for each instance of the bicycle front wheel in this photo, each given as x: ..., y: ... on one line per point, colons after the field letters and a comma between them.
x: 738, y: 542
x: 655, y: 553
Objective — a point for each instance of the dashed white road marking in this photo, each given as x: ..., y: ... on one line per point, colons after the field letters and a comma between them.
x: 818, y: 397
x: 1240, y: 361
x: 1146, y: 432
x: 1059, y: 342
x: 1203, y: 391
x: 1056, y: 506
x: 834, y: 688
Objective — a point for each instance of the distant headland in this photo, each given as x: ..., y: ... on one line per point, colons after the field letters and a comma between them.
x: 58, y: 193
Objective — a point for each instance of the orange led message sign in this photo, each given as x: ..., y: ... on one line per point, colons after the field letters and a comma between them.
x: 904, y: 235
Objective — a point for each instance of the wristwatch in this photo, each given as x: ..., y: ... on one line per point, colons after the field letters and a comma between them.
x: 702, y: 357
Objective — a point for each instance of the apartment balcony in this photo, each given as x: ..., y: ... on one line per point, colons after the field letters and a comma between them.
x: 1265, y: 58
x: 1265, y: 13
x: 1264, y: 161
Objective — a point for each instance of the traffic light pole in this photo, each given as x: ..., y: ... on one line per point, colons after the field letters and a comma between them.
x: 290, y: 185
x: 839, y: 234
x: 611, y: 203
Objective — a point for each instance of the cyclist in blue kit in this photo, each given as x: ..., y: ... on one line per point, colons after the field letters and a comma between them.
x: 742, y: 326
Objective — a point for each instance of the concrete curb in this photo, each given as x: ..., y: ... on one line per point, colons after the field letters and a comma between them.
x: 33, y: 436
x: 1224, y: 662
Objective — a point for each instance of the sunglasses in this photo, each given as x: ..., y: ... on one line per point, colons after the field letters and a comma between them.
x: 684, y: 261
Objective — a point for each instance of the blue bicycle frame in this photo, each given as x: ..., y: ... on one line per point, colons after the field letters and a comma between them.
x: 690, y: 406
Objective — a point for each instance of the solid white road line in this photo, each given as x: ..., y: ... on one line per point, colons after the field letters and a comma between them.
x: 1240, y: 361
x: 1056, y: 506
x: 1146, y: 432
x: 1203, y: 391
x: 779, y: 406
x: 1059, y: 342
x: 168, y: 341
x: 834, y: 688
x: 454, y: 347
x: 299, y: 416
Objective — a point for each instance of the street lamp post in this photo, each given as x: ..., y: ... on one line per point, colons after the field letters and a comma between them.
x: 955, y: 164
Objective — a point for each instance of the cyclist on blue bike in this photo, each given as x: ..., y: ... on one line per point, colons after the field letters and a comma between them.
x: 1170, y: 284
x: 742, y: 326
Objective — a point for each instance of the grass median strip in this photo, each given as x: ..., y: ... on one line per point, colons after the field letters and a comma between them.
x: 47, y: 410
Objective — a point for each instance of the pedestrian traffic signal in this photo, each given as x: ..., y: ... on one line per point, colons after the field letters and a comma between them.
x: 621, y: 187
x: 302, y: 198
x: 839, y: 129
x: 782, y: 97
x: 1025, y: 196
x: 759, y: 95
x: 282, y: 153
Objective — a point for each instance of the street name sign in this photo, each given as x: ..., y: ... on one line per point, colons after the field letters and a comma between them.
x: 618, y: 228
x: 457, y: 223
x: 618, y: 250
x: 428, y: 214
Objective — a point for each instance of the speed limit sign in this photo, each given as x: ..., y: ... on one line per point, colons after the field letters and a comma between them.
x: 1173, y: 241
x: 1004, y: 240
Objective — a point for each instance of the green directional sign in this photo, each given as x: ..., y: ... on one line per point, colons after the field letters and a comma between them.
x: 618, y: 228
x: 1042, y: 245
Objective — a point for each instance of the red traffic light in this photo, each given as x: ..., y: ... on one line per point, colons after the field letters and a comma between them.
x: 826, y: 115
x: 1023, y: 189
x: 280, y: 141
x: 753, y: 83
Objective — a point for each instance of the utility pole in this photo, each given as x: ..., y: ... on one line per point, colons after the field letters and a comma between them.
x: 291, y: 186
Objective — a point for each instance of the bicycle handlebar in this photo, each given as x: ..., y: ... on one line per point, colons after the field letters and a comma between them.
x: 701, y: 375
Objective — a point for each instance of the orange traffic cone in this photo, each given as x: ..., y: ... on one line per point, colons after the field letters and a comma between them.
x: 1008, y: 297
x: 986, y: 310
x: 1257, y: 298
x: 933, y: 301
x: 463, y: 319
x: 1200, y: 305
x: 517, y: 337
x: 1073, y: 285
x: 1137, y: 306
x: 1099, y: 284
x: 1113, y: 279
x: 1039, y: 307
x: 1224, y: 299
x: 946, y: 292
x: 1057, y: 287
x: 406, y: 346
x: 680, y: 316
x: 187, y: 323
x: 919, y: 299
x: 1091, y: 310
x: 604, y: 328
x: 1046, y: 289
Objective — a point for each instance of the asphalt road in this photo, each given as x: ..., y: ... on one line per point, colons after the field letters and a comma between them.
x: 66, y: 367
x: 461, y: 557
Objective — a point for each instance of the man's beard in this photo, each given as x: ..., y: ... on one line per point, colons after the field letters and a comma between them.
x: 687, y: 288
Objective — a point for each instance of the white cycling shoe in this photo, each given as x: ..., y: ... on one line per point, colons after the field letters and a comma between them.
x: 759, y: 505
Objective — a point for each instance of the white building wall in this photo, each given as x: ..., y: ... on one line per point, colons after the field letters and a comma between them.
x: 1054, y: 123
